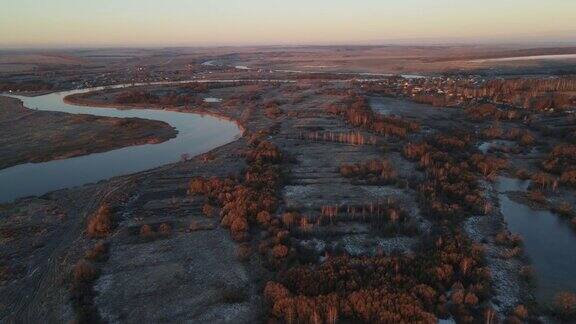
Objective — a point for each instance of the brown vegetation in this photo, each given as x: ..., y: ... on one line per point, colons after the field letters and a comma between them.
x: 142, y: 97
x: 272, y: 110
x: 82, y: 292
x: 243, y: 202
x: 564, y: 209
x: 357, y: 112
x: 523, y: 137
x: 562, y: 161
x: 527, y: 93
x: 565, y: 303
x: 488, y: 166
x: 451, y: 185
x: 385, y: 217
x: 146, y: 232
x: 207, y: 209
x: 354, y: 138
x: 100, y: 223
x: 84, y: 271
x: 505, y: 238
x: 165, y: 229
x: 373, y: 172
x: 487, y: 111
x: 395, y: 289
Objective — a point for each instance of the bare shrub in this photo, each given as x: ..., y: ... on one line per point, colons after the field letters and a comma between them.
x: 146, y: 232
x: 84, y: 271
x: 564, y: 209
x: 100, y: 223
x: 208, y: 210
x: 274, y: 291
x: 197, y: 186
x: 263, y: 218
x: 521, y: 312
x: 280, y: 251
x: 565, y: 304
x: 165, y: 229
x: 506, y: 238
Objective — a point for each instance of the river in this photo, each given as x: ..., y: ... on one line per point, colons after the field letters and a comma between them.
x: 197, y: 134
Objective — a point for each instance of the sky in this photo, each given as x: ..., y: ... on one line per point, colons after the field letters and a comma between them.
x: 126, y: 23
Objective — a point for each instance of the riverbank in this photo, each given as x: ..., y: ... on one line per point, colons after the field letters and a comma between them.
x: 32, y: 136
x: 101, y: 99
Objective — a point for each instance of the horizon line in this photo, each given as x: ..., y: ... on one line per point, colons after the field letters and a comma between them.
x: 406, y: 43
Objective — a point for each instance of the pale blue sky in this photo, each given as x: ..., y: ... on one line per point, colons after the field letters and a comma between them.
x: 25, y: 23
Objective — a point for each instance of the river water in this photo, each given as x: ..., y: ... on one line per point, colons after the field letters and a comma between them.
x: 197, y: 134
x: 548, y: 240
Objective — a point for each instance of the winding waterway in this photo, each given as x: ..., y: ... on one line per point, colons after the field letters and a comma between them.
x: 197, y: 134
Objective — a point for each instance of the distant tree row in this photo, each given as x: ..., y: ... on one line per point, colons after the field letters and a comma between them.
x: 146, y: 97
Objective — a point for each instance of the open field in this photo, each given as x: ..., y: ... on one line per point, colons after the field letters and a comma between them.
x: 367, y: 59
x: 397, y: 59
